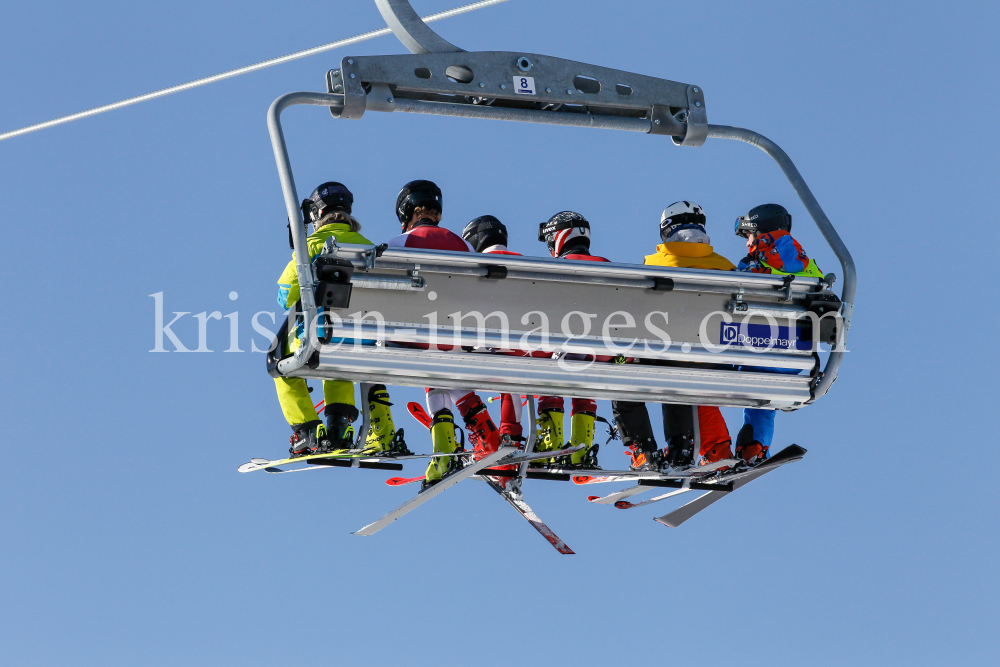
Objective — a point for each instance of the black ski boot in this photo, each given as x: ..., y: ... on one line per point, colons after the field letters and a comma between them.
x: 680, y: 452
x: 339, y: 425
x: 308, y: 438
x: 636, y: 433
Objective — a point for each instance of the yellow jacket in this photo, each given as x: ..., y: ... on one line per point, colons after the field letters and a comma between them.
x: 288, y: 283
x: 689, y: 256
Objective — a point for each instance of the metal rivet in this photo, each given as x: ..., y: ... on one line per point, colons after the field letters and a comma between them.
x: 657, y: 121
x: 548, y: 90
x: 697, y: 104
x: 350, y: 62
x: 336, y: 72
x: 569, y: 92
x: 389, y: 100
x: 695, y: 89
x: 482, y: 85
x: 337, y: 88
x: 503, y: 86
x: 352, y: 75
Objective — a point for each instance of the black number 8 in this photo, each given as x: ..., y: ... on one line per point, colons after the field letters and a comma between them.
x: 524, y: 83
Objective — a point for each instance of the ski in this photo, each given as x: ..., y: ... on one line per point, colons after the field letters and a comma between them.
x: 400, y: 481
x: 613, y: 498
x: 606, y: 476
x: 345, y: 455
x: 446, y: 482
x: 789, y: 454
x: 515, y: 499
x: 626, y: 505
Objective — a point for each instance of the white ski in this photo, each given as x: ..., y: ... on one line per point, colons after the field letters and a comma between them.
x: 626, y: 505
x: 443, y: 485
x: 516, y: 500
x: 612, y: 498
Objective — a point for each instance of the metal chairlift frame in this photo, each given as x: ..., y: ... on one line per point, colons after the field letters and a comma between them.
x: 438, y: 78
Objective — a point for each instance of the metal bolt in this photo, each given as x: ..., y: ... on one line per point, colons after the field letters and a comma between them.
x: 482, y: 85
x: 338, y: 88
x: 336, y: 72
x: 569, y: 92
x: 389, y: 100
x: 352, y: 75
x: 503, y: 86
x: 695, y: 89
x: 697, y: 104
x: 548, y: 90
x: 350, y: 62
x: 657, y: 121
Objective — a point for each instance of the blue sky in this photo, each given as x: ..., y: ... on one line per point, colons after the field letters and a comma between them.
x: 129, y: 538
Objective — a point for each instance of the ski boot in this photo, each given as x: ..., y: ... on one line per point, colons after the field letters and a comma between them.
x: 752, y: 453
x: 582, y: 433
x: 308, y: 438
x: 549, y: 437
x: 748, y: 448
x: 717, y: 452
x: 382, y: 438
x: 482, y: 431
x: 680, y: 452
x: 443, y: 441
x: 651, y: 461
x: 339, y: 425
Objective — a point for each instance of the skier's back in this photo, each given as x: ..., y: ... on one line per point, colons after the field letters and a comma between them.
x: 687, y: 245
x: 567, y: 236
x: 328, y: 209
x: 770, y: 249
x: 419, y: 208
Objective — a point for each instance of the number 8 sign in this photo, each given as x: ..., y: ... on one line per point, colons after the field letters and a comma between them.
x: 524, y: 85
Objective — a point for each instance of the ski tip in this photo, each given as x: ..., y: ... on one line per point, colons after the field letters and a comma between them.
x: 593, y: 498
x: 250, y: 467
x: 624, y: 504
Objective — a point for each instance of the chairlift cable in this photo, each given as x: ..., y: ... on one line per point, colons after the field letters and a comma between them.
x: 242, y: 70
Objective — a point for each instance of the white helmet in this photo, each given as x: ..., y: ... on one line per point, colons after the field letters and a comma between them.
x: 681, y: 215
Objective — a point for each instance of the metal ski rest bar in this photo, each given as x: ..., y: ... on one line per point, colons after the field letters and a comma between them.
x: 406, y: 322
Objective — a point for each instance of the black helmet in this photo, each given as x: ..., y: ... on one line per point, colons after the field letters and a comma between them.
x: 414, y: 194
x: 565, y: 232
x: 763, y: 219
x: 485, y: 232
x: 331, y: 196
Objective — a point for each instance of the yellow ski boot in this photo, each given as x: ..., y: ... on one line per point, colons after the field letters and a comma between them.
x: 549, y: 436
x: 582, y: 433
x: 443, y: 441
x: 383, y: 438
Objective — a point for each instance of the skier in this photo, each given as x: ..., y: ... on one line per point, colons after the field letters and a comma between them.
x: 419, y: 209
x: 770, y: 249
x: 486, y: 234
x: 686, y: 244
x: 328, y: 208
x: 567, y: 236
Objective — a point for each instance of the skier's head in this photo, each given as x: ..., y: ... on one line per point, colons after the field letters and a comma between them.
x: 565, y: 233
x: 683, y: 221
x: 763, y: 219
x: 485, y: 232
x: 418, y: 200
x: 330, y: 202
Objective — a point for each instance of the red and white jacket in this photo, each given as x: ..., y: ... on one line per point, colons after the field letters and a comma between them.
x: 431, y: 237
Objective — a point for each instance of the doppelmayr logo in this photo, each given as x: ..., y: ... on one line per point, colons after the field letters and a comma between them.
x: 759, y: 336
